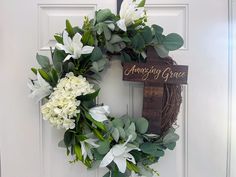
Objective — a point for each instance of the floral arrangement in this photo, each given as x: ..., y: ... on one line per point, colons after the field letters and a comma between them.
x: 70, y: 84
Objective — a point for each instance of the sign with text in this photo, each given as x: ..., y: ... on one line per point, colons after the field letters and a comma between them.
x: 148, y: 72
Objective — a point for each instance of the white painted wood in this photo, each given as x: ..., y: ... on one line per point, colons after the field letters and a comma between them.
x: 28, y: 146
x: 232, y: 152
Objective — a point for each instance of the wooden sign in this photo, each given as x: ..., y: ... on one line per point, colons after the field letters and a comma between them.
x: 154, y: 73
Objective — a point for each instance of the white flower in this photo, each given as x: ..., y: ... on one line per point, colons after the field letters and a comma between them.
x: 129, y: 13
x: 74, y: 47
x: 119, y: 154
x: 86, y: 147
x: 40, y: 88
x: 100, y: 113
x: 62, y: 106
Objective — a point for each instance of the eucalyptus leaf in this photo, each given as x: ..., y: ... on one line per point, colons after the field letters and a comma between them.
x: 43, y: 61
x: 162, y: 51
x: 104, y: 147
x: 125, y: 57
x: 131, y: 131
x: 107, y: 32
x: 110, y: 47
x: 152, y: 149
x: 170, y: 138
x: 157, y: 29
x: 138, y: 42
x: 147, y: 34
x: 111, y: 26
x: 115, y: 134
x: 141, y: 125
x: 58, y: 58
x: 173, y: 41
x: 115, y: 39
x: 117, y: 122
x: 103, y: 15
x: 121, y: 132
x: 96, y: 54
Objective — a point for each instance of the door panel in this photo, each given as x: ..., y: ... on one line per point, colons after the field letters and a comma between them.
x: 29, y: 145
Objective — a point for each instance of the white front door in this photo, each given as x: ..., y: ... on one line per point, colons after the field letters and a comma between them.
x: 29, y: 146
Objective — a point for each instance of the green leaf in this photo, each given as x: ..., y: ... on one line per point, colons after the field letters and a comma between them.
x: 58, y: 58
x: 125, y: 57
x: 141, y: 125
x: 121, y: 132
x: 117, y: 122
x: 69, y: 29
x: 110, y: 47
x: 142, y: 3
x: 78, y: 152
x: 71, y: 66
x: 89, y: 97
x: 162, y: 51
x: 131, y: 131
x: 58, y: 38
x: 87, y: 38
x: 147, y: 172
x: 54, y: 76
x: 147, y: 34
x: 99, y: 65
x: 99, y: 27
x: 115, y: 39
x: 34, y: 70
x: 170, y: 138
x: 138, y: 42
x: 152, y: 149
x: 107, y: 32
x: 111, y: 26
x: 119, y: 46
x: 68, y: 138
x: 76, y: 29
x: 98, y: 124
x: 103, y: 15
x: 43, y: 61
x: 104, y: 147
x: 157, y: 29
x: 170, y: 146
x: 173, y: 41
x: 98, y: 134
x: 115, y: 134
x: 132, y: 167
x: 44, y: 75
x: 96, y: 54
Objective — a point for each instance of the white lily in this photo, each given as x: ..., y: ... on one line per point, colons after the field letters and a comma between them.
x: 100, y: 113
x: 119, y: 154
x: 129, y: 13
x: 86, y: 147
x: 74, y: 47
x: 40, y: 88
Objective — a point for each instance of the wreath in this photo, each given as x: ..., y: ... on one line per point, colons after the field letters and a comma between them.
x: 69, y: 86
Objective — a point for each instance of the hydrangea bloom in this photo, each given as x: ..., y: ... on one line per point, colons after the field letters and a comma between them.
x: 63, y: 105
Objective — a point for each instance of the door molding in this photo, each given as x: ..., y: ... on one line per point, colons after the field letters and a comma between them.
x: 231, y: 155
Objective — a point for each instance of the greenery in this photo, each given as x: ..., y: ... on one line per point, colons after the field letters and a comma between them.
x: 108, y: 39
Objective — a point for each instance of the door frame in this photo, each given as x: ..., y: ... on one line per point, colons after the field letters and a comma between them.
x: 231, y: 146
